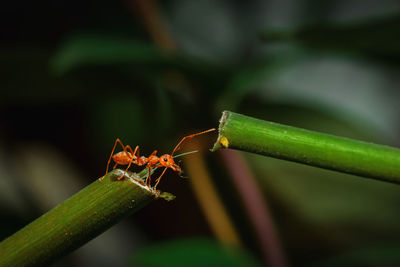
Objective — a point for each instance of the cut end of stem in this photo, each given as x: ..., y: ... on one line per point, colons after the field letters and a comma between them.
x: 222, y: 141
x: 166, y: 196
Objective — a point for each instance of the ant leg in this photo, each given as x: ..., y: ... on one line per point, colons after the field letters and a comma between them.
x: 134, y: 157
x: 122, y: 176
x: 150, y: 165
x: 149, y: 178
x: 112, y: 152
x: 159, y: 178
x: 136, y: 151
x: 189, y: 137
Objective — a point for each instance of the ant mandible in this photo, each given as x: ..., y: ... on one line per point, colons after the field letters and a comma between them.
x: 129, y: 156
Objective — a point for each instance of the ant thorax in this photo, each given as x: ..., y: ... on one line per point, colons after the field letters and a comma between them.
x: 153, y: 160
x: 142, y: 161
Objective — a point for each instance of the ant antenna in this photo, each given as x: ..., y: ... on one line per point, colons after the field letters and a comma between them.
x: 186, y: 153
x: 189, y: 137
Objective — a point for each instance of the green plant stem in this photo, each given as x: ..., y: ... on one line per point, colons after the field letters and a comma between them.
x: 241, y: 132
x: 76, y: 221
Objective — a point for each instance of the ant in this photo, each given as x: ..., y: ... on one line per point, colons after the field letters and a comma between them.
x: 127, y: 157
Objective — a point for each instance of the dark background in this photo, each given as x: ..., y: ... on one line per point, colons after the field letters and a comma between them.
x: 75, y: 75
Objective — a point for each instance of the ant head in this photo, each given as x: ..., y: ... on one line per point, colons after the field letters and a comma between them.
x: 167, y: 161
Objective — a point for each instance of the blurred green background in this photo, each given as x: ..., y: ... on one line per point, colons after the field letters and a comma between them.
x: 75, y: 75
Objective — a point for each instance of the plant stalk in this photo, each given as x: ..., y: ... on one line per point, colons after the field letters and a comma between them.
x: 77, y: 220
x: 341, y: 154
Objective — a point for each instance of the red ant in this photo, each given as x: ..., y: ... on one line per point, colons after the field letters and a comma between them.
x: 127, y: 157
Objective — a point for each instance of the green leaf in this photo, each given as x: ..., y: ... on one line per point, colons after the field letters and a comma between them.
x: 142, y: 59
x: 99, y: 50
x: 192, y: 252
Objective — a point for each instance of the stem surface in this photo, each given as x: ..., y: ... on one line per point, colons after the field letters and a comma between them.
x: 241, y: 132
x: 76, y: 221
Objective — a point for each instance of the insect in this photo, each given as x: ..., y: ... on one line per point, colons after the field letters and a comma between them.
x: 129, y: 157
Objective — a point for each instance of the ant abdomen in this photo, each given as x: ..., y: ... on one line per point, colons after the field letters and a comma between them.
x: 122, y: 158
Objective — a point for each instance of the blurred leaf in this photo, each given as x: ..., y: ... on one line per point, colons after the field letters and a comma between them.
x: 249, y: 77
x: 376, y: 37
x: 192, y: 252
x: 355, y: 91
x: 208, y: 29
x: 97, y: 50
x: 144, y: 59
x: 327, y: 198
x: 242, y: 82
x: 383, y: 255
